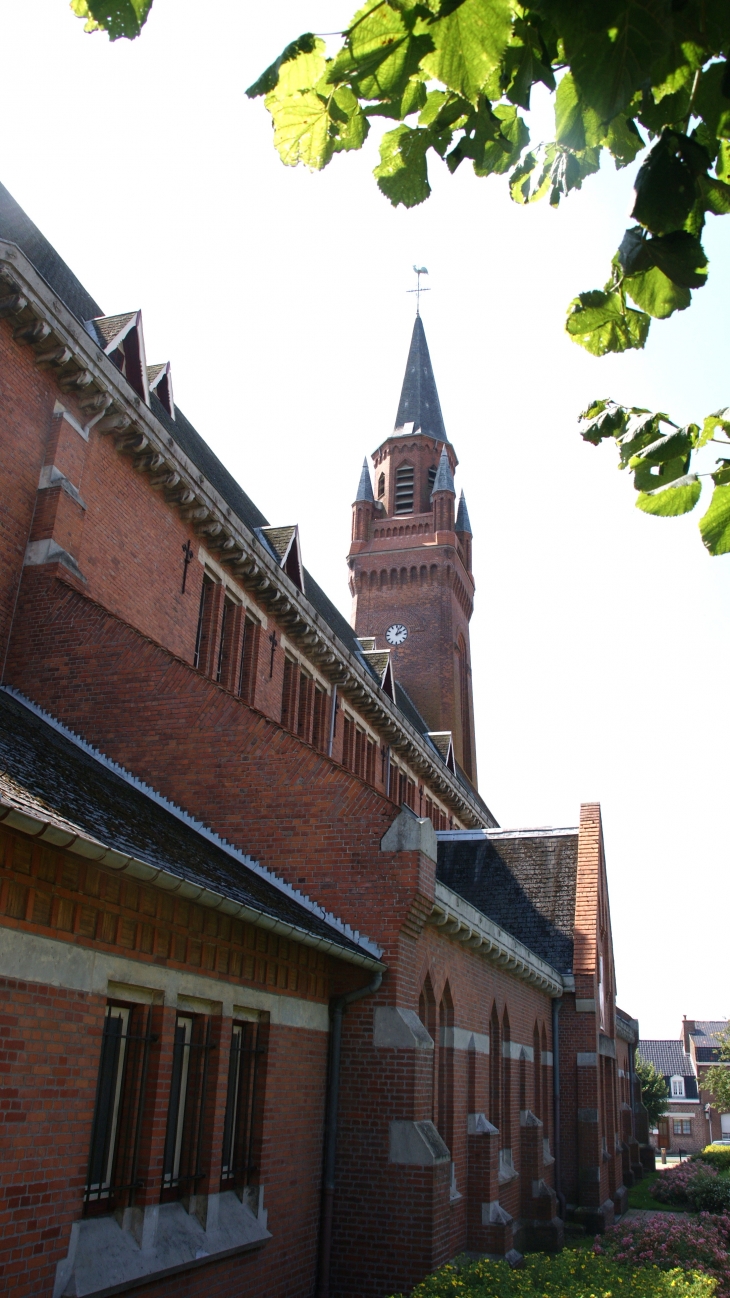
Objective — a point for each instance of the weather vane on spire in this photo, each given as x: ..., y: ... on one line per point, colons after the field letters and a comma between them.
x: 420, y: 270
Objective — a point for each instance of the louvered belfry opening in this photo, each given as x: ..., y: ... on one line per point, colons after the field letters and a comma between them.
x: 404, y: 486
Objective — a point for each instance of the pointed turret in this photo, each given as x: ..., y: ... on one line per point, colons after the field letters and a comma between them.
x: 462, y: 517
x: 444, y: 480
x: 365, y: 486
x: 443, y: 495
x: 463, y: 532
x: 419, y: 404
x: 364, y: 507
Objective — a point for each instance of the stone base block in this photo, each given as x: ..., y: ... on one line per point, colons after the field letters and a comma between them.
x: 637, y: 1172
x: 595, y: 1220
x: 535, y: 1236
x: 620, y: 1200
x: 648, y: 1158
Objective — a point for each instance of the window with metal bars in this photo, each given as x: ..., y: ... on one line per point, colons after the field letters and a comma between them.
x: 113, y: 1172
x: 182, y: 1166
x: 249, y: 659
x: 404, y: 489
x: 306, y: 703
x: 289, y: 694
x: 230, y: 628
x: 244, y: 1108
x: 381, y: 486
x: 205, y: 612
x: 319, y: 718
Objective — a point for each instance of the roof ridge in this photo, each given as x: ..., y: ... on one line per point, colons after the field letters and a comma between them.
x: 353, y: 935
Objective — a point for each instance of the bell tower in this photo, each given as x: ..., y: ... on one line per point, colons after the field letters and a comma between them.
x: 410, y: 559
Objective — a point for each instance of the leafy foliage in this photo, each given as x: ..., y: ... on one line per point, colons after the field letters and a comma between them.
x: 717, y: 1156
x: 654, y: 1093
x: 116, y: 17
x: 698, y: 1244
x: 662, y: 458
x: 717, y: 1079
x: 581, y: 1275
x: 628, y: 77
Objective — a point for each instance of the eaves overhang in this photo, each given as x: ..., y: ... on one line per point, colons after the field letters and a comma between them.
x: 117, y: 410
x: 89, y: 848
x: 456, y: 918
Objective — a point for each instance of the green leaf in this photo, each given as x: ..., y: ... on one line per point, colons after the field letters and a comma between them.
x: 569, y: 170
x: 722, y: 165
x: 306, y: 44
x: 670, y: 502
x: 494, y: 141
x: 718, y: 422
x: 116, y: 17
x: 656, y: 294
x: 648, y: 477
x: 601, y: 419
x: 577, y: 126
x: 721, y: 477
x: 351, y: 124
x: 531, y: 179
x: 602, y: 323
x: 716, y: 195
x: 469, y: 44
x: 612, y: 63
x: 624, y: 140
x: 402, y: 173
x: 665, y: 190
x: 301, y: 129
x: 381, y: 53
x: 679, y: 442
x: 524, y: 64
x: 711, y: 102
x: 715, y: 524
x: 679, y: 256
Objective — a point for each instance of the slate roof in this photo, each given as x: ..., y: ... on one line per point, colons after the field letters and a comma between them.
x: 46, y: 774
x: 462, y: 517
x: 668, y: 1057
x: 419, y: 388
x: 18, y: 228
x: 365, y: 486
x: 525, y: 881
x: 419, y: 400
x: 703, y: 1033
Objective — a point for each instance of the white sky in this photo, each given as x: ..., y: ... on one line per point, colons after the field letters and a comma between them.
x: 600, y: 637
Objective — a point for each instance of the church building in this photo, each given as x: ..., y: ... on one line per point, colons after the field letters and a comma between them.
x: 285, y: 1011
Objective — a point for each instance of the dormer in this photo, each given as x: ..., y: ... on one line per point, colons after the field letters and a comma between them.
x: 379, y: 660
x: 283, y: 542
x: 122, y: 340
x: 159, y: 381
x: 443, y: 742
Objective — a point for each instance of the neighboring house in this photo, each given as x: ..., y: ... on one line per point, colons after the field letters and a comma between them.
x: 228, y: 816
x: 690, y: 1122
x: 700, y: 1038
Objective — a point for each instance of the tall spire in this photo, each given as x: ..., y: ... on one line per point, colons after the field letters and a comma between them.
x: 462, y: 517
x: 419, y: 401
x: 444, y: 480
x: 365, y: 486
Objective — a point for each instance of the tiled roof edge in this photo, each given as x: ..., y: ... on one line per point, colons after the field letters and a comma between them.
x: 353, y: 935
x: 478, y: 835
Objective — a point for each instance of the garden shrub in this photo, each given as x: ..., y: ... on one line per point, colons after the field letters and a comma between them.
x: 699, y: 1244
x: 717, y: 1156
x: 673, y: 1185
x: 709, y: 1193
x: 565, y: 1275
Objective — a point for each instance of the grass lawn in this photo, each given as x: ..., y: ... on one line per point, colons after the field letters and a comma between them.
x: 640, y: 1197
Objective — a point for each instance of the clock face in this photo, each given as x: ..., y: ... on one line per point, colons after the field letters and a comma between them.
x: 396, y: 633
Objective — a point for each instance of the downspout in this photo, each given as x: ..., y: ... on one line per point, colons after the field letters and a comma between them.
x: 337, y: 1009
x: 557, y: 1170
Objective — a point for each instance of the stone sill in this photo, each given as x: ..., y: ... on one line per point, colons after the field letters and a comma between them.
x: 105, y: 1259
